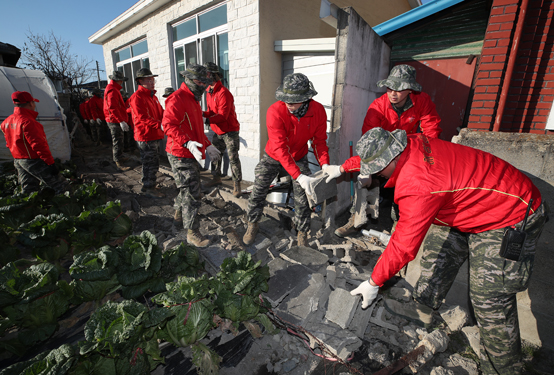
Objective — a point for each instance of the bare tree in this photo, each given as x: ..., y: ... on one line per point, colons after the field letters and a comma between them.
x: 52, y: 55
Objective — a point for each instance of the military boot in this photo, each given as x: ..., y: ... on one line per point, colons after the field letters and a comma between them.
x: 413, y: 311
x: 195, y: 238
x: 347, y: 229
x: 121, y: 166
x: 250, y: 234
x: 216, y: 180
x: 178, y: 218
x: 302, y: 239
x: 237, y: 189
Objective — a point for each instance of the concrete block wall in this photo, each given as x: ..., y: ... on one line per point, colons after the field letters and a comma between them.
x: 244, y: 75
x: 531, y: 91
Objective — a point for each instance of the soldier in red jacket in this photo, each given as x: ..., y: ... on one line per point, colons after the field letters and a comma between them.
x: 469, y: 199
x: 292, y: 121
x: 404, y: 106
x: 223, y: 121
x: 115, y: 112
x: 147, y: 119
x: 186, y: 146
x: 96, y: 111
x: 27, y: 142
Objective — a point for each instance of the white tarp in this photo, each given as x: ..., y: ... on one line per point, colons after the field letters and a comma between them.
x: 50, y: 113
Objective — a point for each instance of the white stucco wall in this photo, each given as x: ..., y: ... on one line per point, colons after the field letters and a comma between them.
x: 244, y: 76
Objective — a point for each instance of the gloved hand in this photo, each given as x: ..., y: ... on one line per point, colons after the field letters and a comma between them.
x: 193, y: 148
x: 213, y: 153
x: 124, y: 126
x: 368, y: 292
x: 86, y: 121
x: 98, y: 121
x: 53, y: 170
x: 305, y: 182
x: 333, y: 171
x: 363, y: 181
x: 161, y: 127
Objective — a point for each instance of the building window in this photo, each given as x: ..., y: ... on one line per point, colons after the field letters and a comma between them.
x: 201, y: 39
x: 129, y: 60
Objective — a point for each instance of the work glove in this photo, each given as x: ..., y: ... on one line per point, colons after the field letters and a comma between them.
x: 53, y: 170
x: 333, y: 171
x: 368, y: 292
x: 193, y: 148
x: 124, y: 126
x: 98, y: 121
x: 161, y: 127
x: 305, y: 182
x: 363, y: 181
x: 86, y: 121
x: 213, y: 153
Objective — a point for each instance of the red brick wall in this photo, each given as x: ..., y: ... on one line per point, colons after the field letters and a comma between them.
x: 531, y: 90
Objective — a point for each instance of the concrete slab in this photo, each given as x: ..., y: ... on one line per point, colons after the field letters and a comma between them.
x: 360, y: 320
x: 322, y: 190
x: 309, y: 257
x: 341, y: 307
x: 215, y: 255
x: 360, y: 205
x: 284, y: 278
x: 302, y: 300
x: 339, y: 342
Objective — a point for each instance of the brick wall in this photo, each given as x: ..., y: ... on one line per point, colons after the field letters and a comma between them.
x: 531, y: 91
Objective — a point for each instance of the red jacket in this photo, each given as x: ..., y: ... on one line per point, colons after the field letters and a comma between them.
x: 442, y: 183
x: 83, y: 110
x: 96, y: 106
x: 87, y: 110
x: 221, y: 107
x: 115, y: 110
x: 147, y: 115
x: 25, y: 136
x: 289, y: 136
x: 182, y: 122
x: 380, y: 114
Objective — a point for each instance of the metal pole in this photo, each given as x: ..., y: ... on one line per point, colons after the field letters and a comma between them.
x: 98, y: 74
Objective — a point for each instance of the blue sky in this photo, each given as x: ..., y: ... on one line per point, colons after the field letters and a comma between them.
x: 72, y: 21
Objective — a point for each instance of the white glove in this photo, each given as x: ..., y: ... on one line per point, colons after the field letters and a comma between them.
x: 305, y: 182
x: 363, y: 181
x: 124, y: 126
x: 333, y: 171
x: 193, y: 148
x: 213, y: 153
x: 161, y: 127
x: 98, y: 121
x: 368, y: 292
x: 86, y: 121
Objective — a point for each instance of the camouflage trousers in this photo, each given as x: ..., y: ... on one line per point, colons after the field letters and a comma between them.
x: 117, y: 140
x: 95, y: 131
x: 493, y: 284
x: 31, y: 172
x: 230, y: 141
x: 186, y: 173
x: 264, y: 174
x: 150, y: 158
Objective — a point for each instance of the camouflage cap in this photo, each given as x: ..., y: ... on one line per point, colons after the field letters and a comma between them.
x: 296, y: 88
x: 378, y: 147
x: 211, y: 67
x: 144, y: 73
x: 196, y: 71
x: 401, y: 77
x: 118, y: 76
x: 168, y: 91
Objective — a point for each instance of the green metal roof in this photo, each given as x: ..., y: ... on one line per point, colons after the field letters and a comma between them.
x: 454, y: 32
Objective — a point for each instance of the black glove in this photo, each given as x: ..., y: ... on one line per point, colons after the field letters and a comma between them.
x: 53, y: 169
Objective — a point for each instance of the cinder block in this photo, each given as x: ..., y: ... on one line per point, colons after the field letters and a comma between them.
x: 322, y: 190
x: 341, y: 308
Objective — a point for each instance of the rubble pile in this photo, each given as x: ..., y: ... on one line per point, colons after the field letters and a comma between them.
x: 309, y: 288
